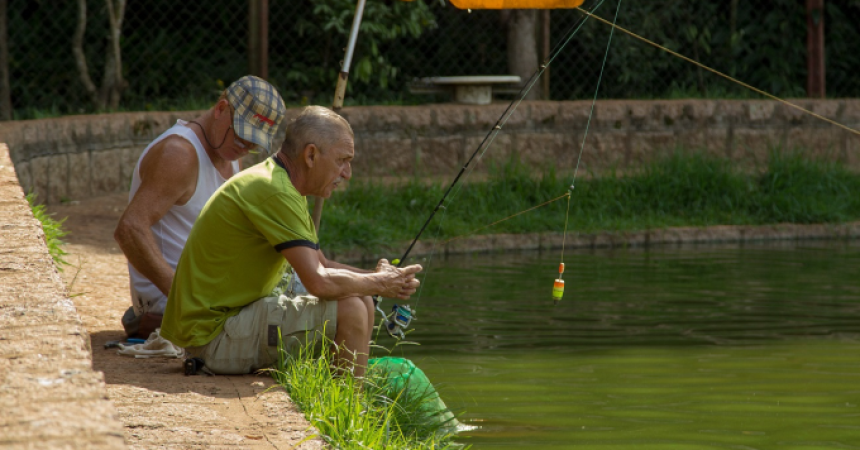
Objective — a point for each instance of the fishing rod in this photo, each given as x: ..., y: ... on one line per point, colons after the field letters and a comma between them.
x: 402, y: 314
x: 558, y: 287
x: 497, y: 127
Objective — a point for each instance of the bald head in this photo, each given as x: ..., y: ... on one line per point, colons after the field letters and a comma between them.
x: 314, y: 125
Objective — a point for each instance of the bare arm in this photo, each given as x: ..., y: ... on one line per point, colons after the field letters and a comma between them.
x: 337, y: 282
x: 168, y: 175
x: 329, y: 264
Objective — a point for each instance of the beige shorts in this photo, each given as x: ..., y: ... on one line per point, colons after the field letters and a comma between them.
x: 249, y: 340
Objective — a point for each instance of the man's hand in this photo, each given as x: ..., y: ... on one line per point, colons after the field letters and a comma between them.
x: 397, y: 282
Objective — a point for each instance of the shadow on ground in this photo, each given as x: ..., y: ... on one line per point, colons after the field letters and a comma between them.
x: 164, y: 375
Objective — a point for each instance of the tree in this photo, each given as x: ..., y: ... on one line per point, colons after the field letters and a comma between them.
x: 385, y: 23
x: 108, y: 95
x: 522, y: 46
x: 5, y: 94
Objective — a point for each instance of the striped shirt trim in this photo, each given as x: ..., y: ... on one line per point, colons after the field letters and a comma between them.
x: 297, y: 243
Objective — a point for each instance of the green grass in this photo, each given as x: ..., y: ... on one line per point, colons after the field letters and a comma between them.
x: 53, y: 231
x: 683, y: 189
x: 357, y: 413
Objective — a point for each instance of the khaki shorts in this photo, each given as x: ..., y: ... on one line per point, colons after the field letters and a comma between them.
x: 249, y: 340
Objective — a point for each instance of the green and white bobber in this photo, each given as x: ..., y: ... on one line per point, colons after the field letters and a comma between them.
x: 558, y: 286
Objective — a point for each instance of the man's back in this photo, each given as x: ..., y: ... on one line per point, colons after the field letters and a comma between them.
x: 172, y: 230
x: 232, y: 256
x: 174, y: 179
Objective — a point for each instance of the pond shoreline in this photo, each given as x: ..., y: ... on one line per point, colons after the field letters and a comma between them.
x: 716, y: 234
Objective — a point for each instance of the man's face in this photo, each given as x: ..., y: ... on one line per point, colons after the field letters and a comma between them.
x: 334, y: 166
x: 233, y: 146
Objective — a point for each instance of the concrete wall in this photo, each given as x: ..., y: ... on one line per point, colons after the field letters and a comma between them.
x: 50, y: 396
x: 76, y: 157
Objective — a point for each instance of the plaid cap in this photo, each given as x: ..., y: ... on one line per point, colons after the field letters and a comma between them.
x: 259, y: 110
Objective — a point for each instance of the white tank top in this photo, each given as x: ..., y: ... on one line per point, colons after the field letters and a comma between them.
x: 172, y: 230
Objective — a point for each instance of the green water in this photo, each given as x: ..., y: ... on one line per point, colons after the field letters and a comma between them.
x: 754, y: 347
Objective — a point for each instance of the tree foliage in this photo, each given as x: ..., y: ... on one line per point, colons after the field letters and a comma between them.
x: 179, y: 55
x: 385, y: 24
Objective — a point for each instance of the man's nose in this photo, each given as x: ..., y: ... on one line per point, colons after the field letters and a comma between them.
x: 347, y: 171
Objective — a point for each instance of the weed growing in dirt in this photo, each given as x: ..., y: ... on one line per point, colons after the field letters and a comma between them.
x: 53, y: 231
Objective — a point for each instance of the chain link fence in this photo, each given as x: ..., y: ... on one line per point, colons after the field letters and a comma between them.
x: 180, y: 55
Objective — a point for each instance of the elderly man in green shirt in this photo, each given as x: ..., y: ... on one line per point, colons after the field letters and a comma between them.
x: 254, y: 228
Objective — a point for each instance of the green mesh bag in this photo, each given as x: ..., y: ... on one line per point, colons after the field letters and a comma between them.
x: 409, y: 383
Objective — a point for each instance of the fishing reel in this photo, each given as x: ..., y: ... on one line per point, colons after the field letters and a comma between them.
x: 396, y: 322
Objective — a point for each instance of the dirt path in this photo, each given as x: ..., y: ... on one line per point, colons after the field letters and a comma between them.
x: 158, y: 405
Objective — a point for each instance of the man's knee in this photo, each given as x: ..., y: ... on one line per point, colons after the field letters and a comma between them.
x: 351, y: 307
x: 352, y: 312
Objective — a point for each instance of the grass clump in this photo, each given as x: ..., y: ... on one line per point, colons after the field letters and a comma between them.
x: 682, y: 189
x: 359, y: 413
x: 53, y: 231
x: 799, y: 190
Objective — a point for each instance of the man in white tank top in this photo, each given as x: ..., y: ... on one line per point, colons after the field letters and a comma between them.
x: 175, y: 176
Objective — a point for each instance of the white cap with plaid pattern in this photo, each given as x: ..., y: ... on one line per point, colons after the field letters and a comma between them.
x: 259, y: 110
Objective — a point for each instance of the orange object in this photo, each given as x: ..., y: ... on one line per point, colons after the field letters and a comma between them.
x: 517, y: 4
x: 560, y: 268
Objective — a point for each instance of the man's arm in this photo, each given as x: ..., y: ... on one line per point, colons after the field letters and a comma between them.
x: 336, y: 282
x: 168, y: 175
x: 329, y: 264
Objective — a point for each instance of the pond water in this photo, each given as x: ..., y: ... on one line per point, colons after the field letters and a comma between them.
x: 707, y: 347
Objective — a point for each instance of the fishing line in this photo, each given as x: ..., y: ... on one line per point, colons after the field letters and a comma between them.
x: 717, y: 72
x: 487, y: 142
x: 558, y: 284
x: 566, y: 194
x: 532, y: 81
x: 594, y: 98
x: 393, y: 327
x: 497, y: 127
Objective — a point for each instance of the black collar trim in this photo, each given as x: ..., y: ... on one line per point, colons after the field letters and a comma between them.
x: 281, y: 164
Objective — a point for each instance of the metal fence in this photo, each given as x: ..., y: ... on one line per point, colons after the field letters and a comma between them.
x: 179, y: 55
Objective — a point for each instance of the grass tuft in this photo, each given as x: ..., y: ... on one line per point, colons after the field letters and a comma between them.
x: 357, y: 413
x: 53, y: 231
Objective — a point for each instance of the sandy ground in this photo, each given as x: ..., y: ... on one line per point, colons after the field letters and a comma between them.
x: 159, y: 406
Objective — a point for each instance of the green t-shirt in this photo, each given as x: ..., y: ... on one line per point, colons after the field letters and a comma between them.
x: 232, y: 256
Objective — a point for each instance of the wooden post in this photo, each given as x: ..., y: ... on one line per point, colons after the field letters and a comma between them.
x: 258, y: 38
x: 815, y: 82
x: 5, y: 94
x: 340, y: 91
x: 253, y: 36
x: 264, y: 39
x: 546, y: 55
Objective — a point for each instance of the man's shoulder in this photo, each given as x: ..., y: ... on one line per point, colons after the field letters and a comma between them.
x: 262, y: 186
x: 173, y: 151
x: 262, y: 176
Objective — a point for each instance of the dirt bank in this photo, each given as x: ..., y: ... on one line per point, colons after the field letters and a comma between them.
x: 157, y: 404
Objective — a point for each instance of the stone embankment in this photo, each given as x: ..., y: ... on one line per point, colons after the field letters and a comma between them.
x: 720, y: 234
x: 78, y: 157
x: 50, y: 396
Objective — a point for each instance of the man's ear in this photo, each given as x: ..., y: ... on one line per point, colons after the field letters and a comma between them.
x: 310, y: 153
x: 221, y: 107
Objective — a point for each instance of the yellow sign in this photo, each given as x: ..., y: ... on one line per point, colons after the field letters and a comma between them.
x: 517, y: 4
